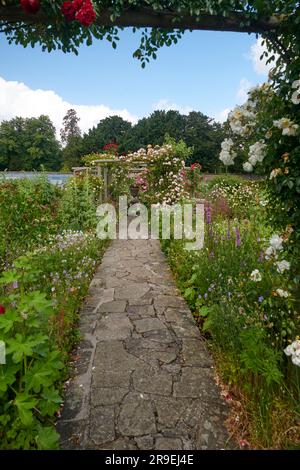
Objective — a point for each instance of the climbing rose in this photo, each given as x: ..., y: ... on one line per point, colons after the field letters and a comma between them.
x: 68, y: 10
x: 78, y: 4
x: 30, y: 6
x: 86, y: 14
x: 2, y: 309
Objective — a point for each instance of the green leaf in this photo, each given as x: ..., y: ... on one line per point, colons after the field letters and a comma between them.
x: 20, y: 346
x: 47, y: 439
x: 7, y: 376
x: 38, y: 378
x: 24, y: 406
x: 189, y: 293
x: 204, y: 311
x: 207, y: 325
x: 8, y: 277
x: 38, y: 301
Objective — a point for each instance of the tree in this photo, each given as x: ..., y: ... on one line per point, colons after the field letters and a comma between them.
x: 71, y: 136
x: 205, y: 136
x: 54, y: 26
x: 27, y: 144
x: 70, y: 127
x: 109, y: 130
x: 196, y: 129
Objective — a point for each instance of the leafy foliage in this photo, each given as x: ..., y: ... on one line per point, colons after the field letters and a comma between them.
x: 47, y: 273
x: 51, y: 31
x: 245, y: 306
x: 29, y: 143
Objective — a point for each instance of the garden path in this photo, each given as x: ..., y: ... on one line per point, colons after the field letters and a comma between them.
x: 143, y: 378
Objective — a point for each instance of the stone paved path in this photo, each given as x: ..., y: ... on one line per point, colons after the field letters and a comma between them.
x: 144, y: 379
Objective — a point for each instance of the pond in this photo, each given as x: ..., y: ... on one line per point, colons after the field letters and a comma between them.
x: 54, y: 178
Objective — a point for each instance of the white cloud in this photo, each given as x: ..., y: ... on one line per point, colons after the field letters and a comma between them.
x: 17, y: 99
x: 166, y: 105
x: 260, y: 66
x: 242, y: 93
x: 222, y: 116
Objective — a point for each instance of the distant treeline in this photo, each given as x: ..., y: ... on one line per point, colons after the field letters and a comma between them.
x: 31, y: 143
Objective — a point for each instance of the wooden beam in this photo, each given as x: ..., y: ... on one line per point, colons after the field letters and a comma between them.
x: 146, y: 17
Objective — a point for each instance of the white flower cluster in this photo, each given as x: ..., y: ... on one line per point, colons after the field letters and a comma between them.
x: 227, y: 156
x: 240, y: 118
x: 294, y: 351
x: 287, y: 126
x: 151, y: 154
x: 275, y: 246
x: 283, y: 266
x: 255, y: 276
x: 170, y: 187
x: 296, y: 94
x: 257, y: 153
x: 282, y: 293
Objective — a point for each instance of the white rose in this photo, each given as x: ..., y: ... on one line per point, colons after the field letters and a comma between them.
x: 283, y: 266
x: 255, y: 276
x: 282, y: 293
x: 248, y: 167
x: 276, y: 242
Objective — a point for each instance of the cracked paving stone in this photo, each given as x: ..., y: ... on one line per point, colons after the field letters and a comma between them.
x: 136, y: 416
x: 112, y: 356
x: 107, y: 396
x: 110, y: 378
x: 144, y: 442
x: 113, y: 307
x: 112, y: 327
x: 148, y: 324
x: 196, y: 383
x: 195, y: 354
x: 140, y: 311
x: 131, y: 291
x: 152, y: 381
x: 168, y: 443
x: 102, y: 426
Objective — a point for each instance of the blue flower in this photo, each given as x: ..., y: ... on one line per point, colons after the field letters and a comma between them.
x: 260, y: 299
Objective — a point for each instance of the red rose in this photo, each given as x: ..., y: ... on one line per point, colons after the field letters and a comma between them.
x: 2, y: 309
x: 86, y: 15
x: 30, y: 6
x: 68, y: 10
x: 78, y: 4
x: 110, y: 146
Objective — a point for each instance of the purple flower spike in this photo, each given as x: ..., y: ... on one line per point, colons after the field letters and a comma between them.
x: 208, y: 215
x: 238, y: 241
x: 228, y: 232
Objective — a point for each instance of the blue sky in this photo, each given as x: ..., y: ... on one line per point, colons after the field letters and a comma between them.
x: 205, y: 71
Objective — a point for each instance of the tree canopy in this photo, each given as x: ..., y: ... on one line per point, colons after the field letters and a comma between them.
x: 196, y: 129
x: 28, y: 143
x: 65, y: 25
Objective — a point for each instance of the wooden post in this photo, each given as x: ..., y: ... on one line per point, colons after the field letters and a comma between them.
x: 105, y: 179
